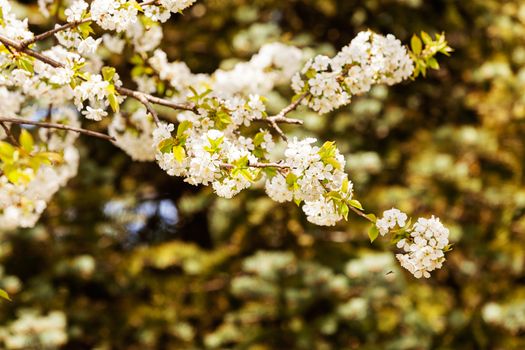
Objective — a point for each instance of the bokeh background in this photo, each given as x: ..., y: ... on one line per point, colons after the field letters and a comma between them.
x: 127, y: 257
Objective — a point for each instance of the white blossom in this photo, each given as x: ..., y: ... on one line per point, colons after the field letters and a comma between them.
x: 424, y: 248
x: 390, y: 219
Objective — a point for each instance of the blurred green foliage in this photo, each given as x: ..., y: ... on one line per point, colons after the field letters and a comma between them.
x: 129, y: 258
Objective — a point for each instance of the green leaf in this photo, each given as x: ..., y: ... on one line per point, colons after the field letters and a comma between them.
x: 355, y: 203
x: 344, y: 210
x: 179, y: 153
x: 4, y: 295
x: 26, y: 64
x: 113, y: 102
x: 26, y: 141
x: 270, y: 172
x: 166, y: 146
x: 16, y: 175
x: 108, y: 73
x: 416, y: 44
x: 426, y: 38
x: 333, y: 195
x: 291, y: 179
x: 373, y: 233
x: 433, y: 63
x: 6, y: 151
x: 247, y: 175
x: 372, y: 217
x: 258, y: 139
x: 85, y: 29
x: 183, y: 126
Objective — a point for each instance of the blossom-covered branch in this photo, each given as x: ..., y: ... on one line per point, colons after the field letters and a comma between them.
x: 210, y: 138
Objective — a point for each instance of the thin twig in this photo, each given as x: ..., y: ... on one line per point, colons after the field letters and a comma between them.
x: 156, y: 100
x: 281, y: 117
x: 9, y: 133
x: 360, y: 213
x: 259, y: 165
x: 276, y: 127
x: 16, y: 45
x: 45, y: 35
x: 57, y: 126
x: 141, y: 97
x: 291, y: 107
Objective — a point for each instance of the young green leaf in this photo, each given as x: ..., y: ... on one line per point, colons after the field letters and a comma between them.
x: 26, y: 141
x: 373, y: 233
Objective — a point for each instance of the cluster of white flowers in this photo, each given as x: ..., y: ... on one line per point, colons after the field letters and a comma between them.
x: 23, y: 201
x: 95, y: 91
x: 201, y: 156
x: 21, y: 204
x: 113, y: 43
x: 76, y: 11
x: 134, y: 134
x: 390, y: 219
x: 424, y: 248
x: 32, y: 330
x: 370, y: 59
x: 10, y: 26
x: 113, y: 14
x: 273, y: 65
x: 11, y: 101
x: 118, y: 15
x: 313, y: 172
x: 163, y: 10
x: 73, y: 39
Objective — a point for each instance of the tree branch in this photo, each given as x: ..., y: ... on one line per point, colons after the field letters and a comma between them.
x: 280, y: 117
x: 156, y: 100
x: 86, y: 132
x: 259, y: 165
x: 146, y: 99
x: 51, y: 32
x: 16, y: 45
x: 8, y: 133
x: 360, y: 213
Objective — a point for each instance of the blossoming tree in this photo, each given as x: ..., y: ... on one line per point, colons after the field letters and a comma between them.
x: 222, y: 135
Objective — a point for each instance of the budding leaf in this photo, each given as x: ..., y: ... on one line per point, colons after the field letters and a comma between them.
x: 373, y: 233
x: 113, y: 102
x: 165, y: 146
x: 426, y: 38
x: 108, y: 73
x: 6, y: 151
x: 372, y: 217
x: 16, y: 175
x: 415, y: 42
x: 4, y: 295
x: 433, y: 63
x: 183, y: 126
x: 26, y: 141
x: 355, y: 203
x: 179, y: 153
x: 344, y: 210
